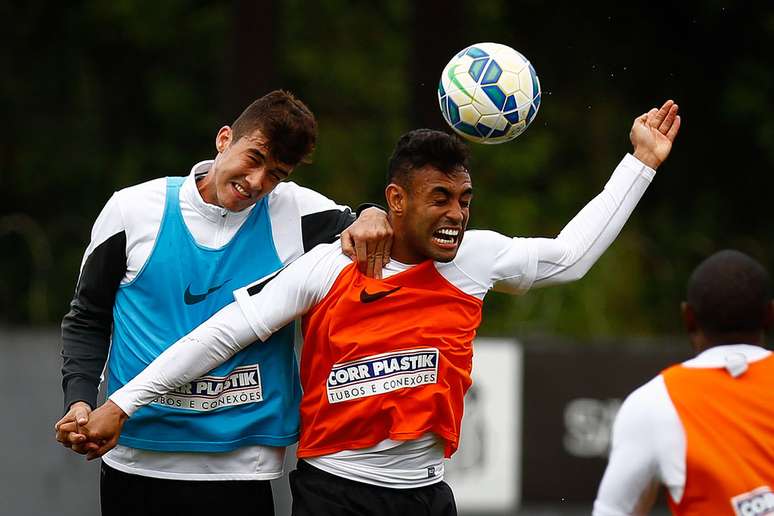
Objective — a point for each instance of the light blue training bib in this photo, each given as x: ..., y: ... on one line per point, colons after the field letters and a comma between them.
x: 251, y: 399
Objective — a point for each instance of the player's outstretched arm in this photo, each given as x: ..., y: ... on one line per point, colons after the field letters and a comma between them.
x: 265, y: 307
x: 587, y: 236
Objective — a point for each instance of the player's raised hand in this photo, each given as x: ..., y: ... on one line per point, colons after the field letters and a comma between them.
x: 654, y: 132
x: 369, y: 241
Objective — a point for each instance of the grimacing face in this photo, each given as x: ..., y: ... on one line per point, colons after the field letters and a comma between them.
x: 437, y: 212
x: 243, y: 172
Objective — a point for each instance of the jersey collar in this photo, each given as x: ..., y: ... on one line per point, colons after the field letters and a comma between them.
x: 716, y: 356
x: 190, y: 197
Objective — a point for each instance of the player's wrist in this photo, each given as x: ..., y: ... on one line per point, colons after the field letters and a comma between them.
x: 647, y: 157
x: 116, y: 410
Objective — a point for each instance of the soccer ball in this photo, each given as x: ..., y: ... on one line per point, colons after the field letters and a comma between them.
x: 489, y: 93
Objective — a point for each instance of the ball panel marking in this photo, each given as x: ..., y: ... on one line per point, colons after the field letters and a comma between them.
x: 477, y: 68
x: 496, y: 95
x: 489, y: 93
x: 492, y: 73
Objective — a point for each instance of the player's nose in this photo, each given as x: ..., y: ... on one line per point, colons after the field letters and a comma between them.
x: 255, y: 180
x: 456, y: 214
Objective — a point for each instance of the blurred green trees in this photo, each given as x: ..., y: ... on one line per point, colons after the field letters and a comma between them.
x: 101, y: 95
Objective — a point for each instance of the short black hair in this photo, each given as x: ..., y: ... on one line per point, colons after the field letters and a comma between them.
x: 287, y: 123
x: 421, y: 147
x: 730, y: 293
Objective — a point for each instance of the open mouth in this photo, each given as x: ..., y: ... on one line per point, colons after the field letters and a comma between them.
x: 446, y: 237
x: 240, y: 190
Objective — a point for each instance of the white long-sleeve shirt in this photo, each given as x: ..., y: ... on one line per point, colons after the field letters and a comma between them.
x: 486, y: 260
x: 122, y: 240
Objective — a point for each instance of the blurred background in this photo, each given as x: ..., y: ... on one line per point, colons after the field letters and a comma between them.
x: 96, y: 96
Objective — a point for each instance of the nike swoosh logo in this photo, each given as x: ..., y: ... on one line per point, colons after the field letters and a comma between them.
x: 192, y: 299
x: 453, y: 78
x: 365, y: 297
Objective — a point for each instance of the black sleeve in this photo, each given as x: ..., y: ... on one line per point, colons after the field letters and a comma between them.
x: 324, y: 227
x: 87, y: 327
x: 361, y: 208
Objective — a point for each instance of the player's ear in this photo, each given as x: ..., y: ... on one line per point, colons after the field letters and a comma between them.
x: 396, y: 198
x: 223, y: 138
x: 689, y: 317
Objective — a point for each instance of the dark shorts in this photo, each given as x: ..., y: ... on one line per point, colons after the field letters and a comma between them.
x: 126, y: 494
x: 318, y: 493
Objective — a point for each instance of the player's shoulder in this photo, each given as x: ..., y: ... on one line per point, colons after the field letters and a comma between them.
x: 471, y: 269
x: 474, y: 238
x: 137, y: 197
x: 325, y: 255
x: 480, y: 249
x: 141, y: 206
x: 305, y: 200
x: 647, y: 405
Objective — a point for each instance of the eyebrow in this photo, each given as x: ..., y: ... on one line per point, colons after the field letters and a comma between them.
x: 441, y: 190
x: 258, y: 152
x: 447, y: 192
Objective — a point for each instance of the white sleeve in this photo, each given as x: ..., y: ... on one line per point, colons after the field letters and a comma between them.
x: 583, y: 240
x: 486, y: 258
x: 633, y: 475
x: 271, y: 303
x: 261, y: 308
x: 302, y: 218
x: 310, y: 201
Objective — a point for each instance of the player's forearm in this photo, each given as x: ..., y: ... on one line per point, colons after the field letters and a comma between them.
x: 583, y: 240
x: 206, y: 347
x: 87, y: 326
x: 85, y: 345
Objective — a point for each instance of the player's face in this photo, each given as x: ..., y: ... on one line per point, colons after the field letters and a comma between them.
x: 437, y: 212
x: 244, y: 171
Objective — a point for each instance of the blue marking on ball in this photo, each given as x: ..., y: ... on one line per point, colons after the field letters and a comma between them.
x: 475, y: 52
x: 512, y: 117
x: 496, y: 95
x: 467, y: 129
x: 477, y: 67
x: 510, y: 103
x: 454, y: 111
x: 492, y: 74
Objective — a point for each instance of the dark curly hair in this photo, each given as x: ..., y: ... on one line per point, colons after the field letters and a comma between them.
x: 729, y: 293
x: 288, y: 125
x: 421, y: 147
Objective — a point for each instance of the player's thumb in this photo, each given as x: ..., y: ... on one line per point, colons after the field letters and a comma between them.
x: 81, y: 416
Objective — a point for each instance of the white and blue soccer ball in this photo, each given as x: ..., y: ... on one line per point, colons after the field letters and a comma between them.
x: 489, y: 93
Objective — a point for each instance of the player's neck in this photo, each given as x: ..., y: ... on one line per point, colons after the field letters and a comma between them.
x: 404, y: 253
x: 705, y: 341
x: 206, y: 187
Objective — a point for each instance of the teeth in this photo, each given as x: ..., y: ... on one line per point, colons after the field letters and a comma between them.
x: 446, y: 235
x: 241, y: 190
x: 450, y: 232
